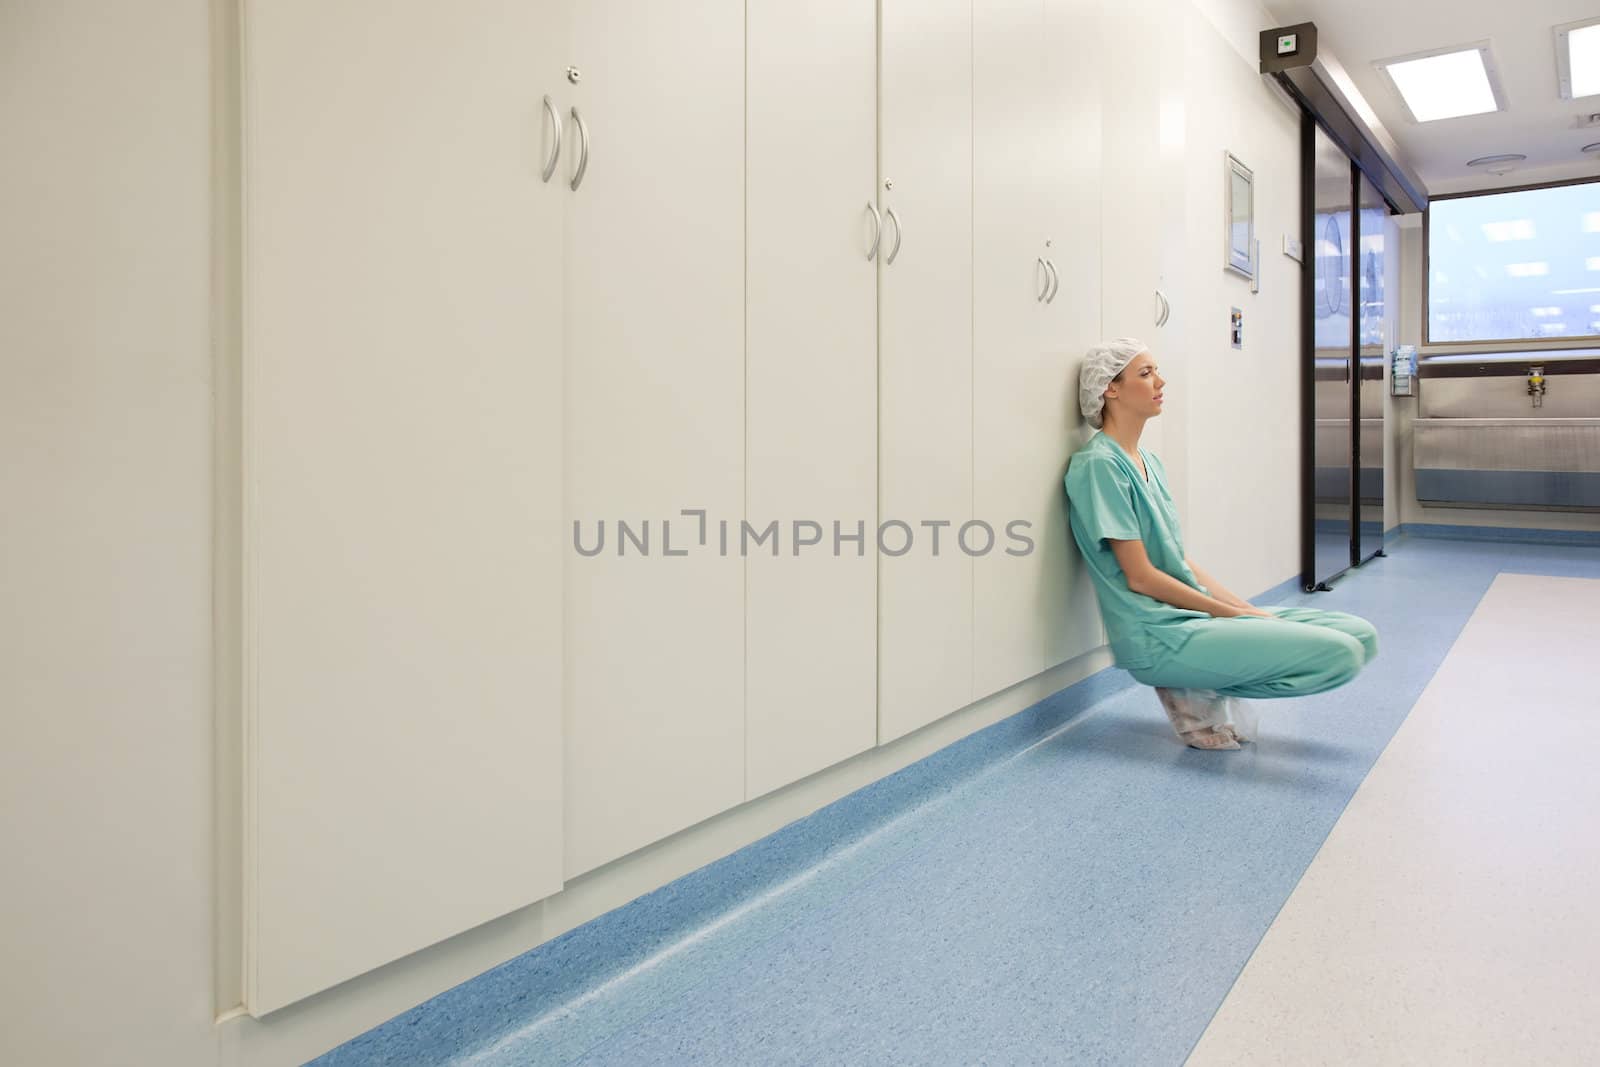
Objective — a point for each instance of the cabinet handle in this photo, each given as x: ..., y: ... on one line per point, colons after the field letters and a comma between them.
x: 1055, y: 280
x: 555, y: 118
x: 1046, y: 289
x: 583, y: 149
x: 895, y: 251
x: 877, y: 230
x: 1166, y: 309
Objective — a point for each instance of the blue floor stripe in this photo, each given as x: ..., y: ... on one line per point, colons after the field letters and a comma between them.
x: 1068, y: 885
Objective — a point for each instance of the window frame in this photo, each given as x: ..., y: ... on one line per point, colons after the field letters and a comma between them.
x: 1520, y: 344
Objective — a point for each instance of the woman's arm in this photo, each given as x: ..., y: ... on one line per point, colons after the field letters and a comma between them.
x: 1216, y: 587
x: 1146, y: 578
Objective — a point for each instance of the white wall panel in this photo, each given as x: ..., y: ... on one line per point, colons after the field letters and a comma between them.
x: 105, y: 554
x: 655, y: 399
x: 812, y: 388
x: 402, y: 467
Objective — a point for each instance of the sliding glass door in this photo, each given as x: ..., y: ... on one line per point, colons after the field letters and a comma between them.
x: 1378, y: 304
x: 1349, y: 290
x: 1328, y: 247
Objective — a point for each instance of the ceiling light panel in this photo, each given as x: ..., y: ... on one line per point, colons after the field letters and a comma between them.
x: 1578, y: 58
x: 1446, y: 83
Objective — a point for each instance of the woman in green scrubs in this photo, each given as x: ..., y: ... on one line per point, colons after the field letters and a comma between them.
x: 1170, y: 624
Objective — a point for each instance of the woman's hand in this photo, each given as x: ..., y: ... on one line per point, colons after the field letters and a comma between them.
x: 1254, y: 612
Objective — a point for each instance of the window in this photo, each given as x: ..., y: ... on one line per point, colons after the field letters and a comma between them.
x: 1514, y: 266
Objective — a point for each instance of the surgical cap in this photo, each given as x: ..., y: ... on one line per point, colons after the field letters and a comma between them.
x: 1103, y: 363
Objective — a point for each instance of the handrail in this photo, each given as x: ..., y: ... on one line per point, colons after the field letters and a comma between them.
x: 1509, y: 365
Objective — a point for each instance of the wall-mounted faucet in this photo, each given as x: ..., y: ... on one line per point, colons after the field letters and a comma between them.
x: 1536, y: 385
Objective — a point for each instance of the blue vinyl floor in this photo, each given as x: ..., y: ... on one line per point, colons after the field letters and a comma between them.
x: 1071, y: 885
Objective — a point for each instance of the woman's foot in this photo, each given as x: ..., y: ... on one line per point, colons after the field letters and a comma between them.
x: 1242, y: 720
x: 1199, y: 717
x: 1217, y: 737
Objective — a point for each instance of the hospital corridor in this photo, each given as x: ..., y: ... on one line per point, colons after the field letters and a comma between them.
x: 734, y: 533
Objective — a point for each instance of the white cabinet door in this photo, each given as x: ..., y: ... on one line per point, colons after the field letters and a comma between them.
x: 925, y: 362
x: 1036, y: 308
x: 402, y: 471
x: 1072, y: 162
x: 1132, y: 233
x: 1167, y: 35
x: 812, y: 388
x: 655, y: 424
x: 1143, y: 192
x: 1015, y: 421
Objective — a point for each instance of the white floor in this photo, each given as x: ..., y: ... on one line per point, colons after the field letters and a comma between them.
x: 1451, y: 916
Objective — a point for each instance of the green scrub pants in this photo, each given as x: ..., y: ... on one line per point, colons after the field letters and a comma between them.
x: 1303, y: 651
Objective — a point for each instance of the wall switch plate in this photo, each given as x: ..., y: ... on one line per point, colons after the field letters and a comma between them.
x: 1292, y: 248
x: 1237, y: 327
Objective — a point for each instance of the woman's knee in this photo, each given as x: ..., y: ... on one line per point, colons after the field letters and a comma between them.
x: 1367, y: 635
x: 1347, y: 654
x: 1364, y: 633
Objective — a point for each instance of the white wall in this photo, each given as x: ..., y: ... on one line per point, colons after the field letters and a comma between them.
x: 1240, y: 409
x: 105, y: 592
x: 107, y: 398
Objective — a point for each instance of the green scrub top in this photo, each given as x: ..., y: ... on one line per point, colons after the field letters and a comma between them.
x: 1109, y: 497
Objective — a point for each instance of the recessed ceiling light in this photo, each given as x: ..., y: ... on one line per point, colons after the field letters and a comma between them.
x: 1536, y: 270
x: 1446, y: 83
x: 1578, y: 58
x: 1591, y: 147
x: 1545, y: 313
x: 1486, y: 161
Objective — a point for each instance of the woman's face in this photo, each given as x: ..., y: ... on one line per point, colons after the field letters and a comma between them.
x: 1137, y: 389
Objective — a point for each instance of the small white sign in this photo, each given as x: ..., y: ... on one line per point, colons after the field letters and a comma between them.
x: 1292, y: 248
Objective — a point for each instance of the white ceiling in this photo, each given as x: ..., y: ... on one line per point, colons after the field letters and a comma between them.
x: 1536, y: 123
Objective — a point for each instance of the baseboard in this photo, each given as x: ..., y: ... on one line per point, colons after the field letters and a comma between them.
x: 1520, y: 534
x: 1278, y: 592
